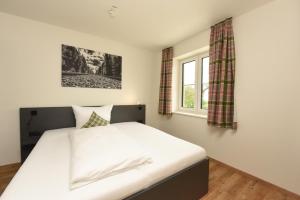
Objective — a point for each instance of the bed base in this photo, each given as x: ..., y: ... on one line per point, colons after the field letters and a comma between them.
x: 189, y: 184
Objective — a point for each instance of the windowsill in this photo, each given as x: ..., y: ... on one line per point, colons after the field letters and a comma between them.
x: 190, y: 114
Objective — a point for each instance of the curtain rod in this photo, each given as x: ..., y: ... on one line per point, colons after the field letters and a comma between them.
x: 222, y: 21
x: 210, y: 27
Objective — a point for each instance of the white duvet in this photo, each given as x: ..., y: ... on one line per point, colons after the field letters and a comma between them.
x: 100, y: 152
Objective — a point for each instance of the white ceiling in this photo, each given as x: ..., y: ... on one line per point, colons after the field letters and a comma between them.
x: 146, y: 23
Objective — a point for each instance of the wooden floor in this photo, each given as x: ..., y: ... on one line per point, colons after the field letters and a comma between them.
x: 225, y: 183
x: 6, y: 174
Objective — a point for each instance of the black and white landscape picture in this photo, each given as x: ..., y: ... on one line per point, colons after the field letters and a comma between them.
x: 90, y: 69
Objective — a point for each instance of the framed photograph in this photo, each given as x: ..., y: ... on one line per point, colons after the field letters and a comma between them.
x: 86, y: 68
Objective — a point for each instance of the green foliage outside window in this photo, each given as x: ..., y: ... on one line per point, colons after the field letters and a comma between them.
x: 189, y: 97
x: 204, y: 104
x: 205, y: 97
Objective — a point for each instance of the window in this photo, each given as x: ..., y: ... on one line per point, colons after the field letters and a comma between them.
x: 194, y: 80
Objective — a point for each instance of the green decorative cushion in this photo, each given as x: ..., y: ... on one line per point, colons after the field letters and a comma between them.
x: 95, y: 120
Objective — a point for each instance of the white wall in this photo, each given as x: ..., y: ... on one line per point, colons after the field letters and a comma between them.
x: 267, y: 141
x: 30, y: 65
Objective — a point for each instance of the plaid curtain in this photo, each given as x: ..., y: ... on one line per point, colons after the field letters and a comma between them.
x: 221, y: 76
x: 165, y: 92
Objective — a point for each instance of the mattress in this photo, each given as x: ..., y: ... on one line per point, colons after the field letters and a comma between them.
x: 45, y: 173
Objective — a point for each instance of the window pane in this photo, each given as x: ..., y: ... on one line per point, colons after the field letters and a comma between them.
x: 189, y: 73
x: 205, y: 81
x: 189, y: 93
x: 188, y: 84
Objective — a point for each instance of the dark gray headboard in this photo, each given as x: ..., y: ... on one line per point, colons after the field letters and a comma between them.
x: 35, y: 121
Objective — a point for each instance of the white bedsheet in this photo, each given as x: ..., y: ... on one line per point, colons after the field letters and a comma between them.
x: 45, y: 173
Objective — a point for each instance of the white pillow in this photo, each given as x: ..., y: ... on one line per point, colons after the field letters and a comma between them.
x: 83, y: 114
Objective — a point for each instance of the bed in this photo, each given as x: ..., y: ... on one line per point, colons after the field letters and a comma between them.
x: 179, y: 170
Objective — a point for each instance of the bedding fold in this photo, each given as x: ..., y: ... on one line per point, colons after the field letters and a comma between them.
x: 100, y: 152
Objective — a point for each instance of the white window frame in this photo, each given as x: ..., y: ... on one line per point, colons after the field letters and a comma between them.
x: 198, y: 81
